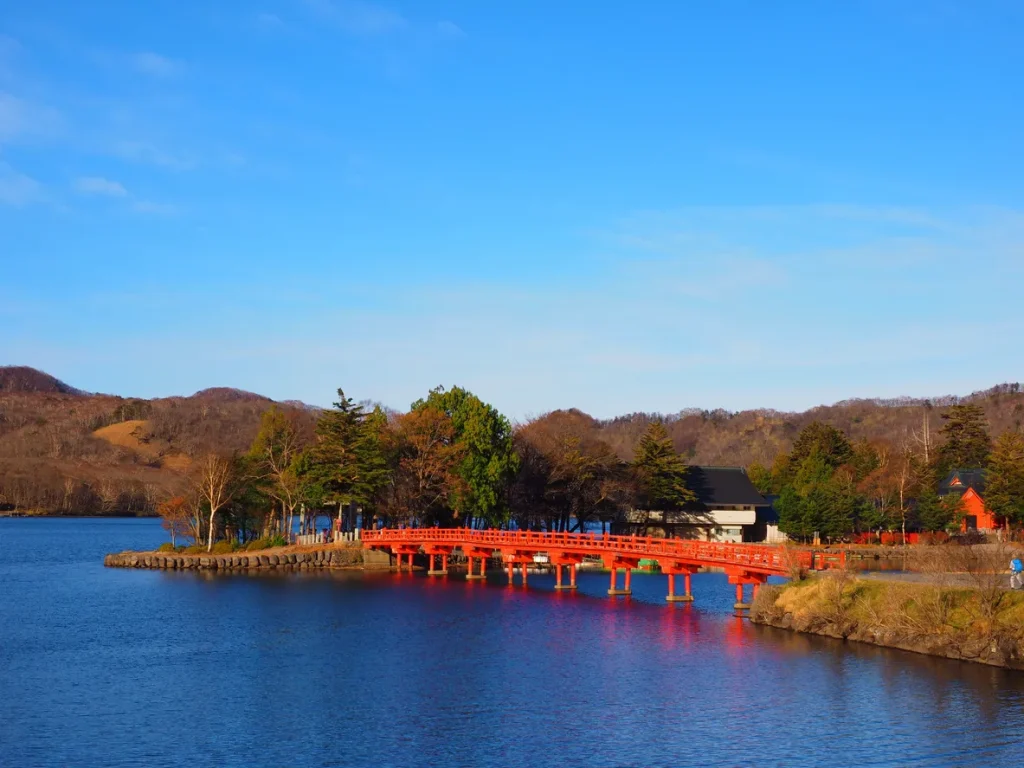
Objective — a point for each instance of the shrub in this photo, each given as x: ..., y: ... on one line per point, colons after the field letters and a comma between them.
x: 968, y: 538
x: 166, y: 547
x: 195, y: 549
x: 266, y: 543
x: 224, y: 547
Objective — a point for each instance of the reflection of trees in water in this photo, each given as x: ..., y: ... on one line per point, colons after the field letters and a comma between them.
x: 898, y: 684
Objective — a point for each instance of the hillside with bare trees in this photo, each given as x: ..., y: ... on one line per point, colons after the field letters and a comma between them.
x: 64, y: 451
x: 742, y: 438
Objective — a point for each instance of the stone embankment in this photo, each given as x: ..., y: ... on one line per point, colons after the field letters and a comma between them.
x: 283, y: 558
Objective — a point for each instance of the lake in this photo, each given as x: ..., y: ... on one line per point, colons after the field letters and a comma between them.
x: 122, y: 667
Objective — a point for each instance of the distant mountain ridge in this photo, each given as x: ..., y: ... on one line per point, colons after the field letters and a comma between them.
x: 21, y: 378
x: 63, y: 450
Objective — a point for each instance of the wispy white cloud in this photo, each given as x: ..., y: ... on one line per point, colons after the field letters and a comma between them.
x: 150, y: 154
x: 97, y: 185
x: 356, y: 17
x: 269, y: 21
x: 22, y: 120
x: 449, y: 29
x: 17, y: 189
x: 149, y: 63
x: 160, y: 209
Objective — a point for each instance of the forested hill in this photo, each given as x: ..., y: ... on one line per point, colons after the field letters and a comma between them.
x: 64, y: 451
x: 740, y: 439
x: 67, y: 451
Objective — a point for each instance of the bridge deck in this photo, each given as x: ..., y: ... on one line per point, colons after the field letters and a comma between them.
x: 754, y: 560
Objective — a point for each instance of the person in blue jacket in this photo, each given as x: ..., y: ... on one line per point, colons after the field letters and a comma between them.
x: 1016, y: 574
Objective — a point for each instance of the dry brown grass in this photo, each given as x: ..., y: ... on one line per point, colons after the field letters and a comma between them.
x: 981, y: 622
x: 134, y: 435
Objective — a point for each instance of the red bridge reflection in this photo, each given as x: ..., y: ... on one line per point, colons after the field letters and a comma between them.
x: 742, y: 563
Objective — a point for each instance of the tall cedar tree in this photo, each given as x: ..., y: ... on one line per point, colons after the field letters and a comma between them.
x: 967, y: 444
x: 815, y: 495
x: 931, y: 513
x: 660, y: 472
x: 827, y: 441
x: 1004, y: 479
x: 489, y: 461
x: 346, y: 462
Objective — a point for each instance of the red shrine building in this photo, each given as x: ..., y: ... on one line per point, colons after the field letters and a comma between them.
x: 970, y: 484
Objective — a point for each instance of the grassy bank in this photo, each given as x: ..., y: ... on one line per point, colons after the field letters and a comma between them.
x: 978, y: 624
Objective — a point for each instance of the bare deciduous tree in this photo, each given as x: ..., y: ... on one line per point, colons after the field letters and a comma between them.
x: 215, y: 482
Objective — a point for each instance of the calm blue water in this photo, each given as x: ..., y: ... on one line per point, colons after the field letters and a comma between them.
x: 137, y: 668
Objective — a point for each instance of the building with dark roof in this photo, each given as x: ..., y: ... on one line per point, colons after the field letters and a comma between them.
x: 725, y: 510
x: 970, y: 485
x: 959, y: 480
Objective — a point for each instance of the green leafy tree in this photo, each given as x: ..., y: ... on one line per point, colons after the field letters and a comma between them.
x: 1004, y: 479
x: 793, y: 519
x: 967, y: 444
x: 953, y: 510
x: 820, y: 500
x: 867, y: 458
x: 489, y: 461
x: 931, y: 513
x: 828, y: 442
x: 660, y: 472
x: 761, y: 477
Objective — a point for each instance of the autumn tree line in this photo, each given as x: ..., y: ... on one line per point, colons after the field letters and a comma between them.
x: 831, y: 487
x: 452, y: 460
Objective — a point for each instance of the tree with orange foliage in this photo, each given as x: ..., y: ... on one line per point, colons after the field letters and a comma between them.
x: 175, y: 517
x: 566, y: 463
x: 428, y: 466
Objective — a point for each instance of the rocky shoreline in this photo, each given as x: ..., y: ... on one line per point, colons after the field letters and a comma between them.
x: 306, y: 559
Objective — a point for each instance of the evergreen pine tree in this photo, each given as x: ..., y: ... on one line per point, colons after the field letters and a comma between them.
x: 1004, y: 479
x: 967, y: 444
x: 829, y: 443
x: 346, y: 460
x: 660, y: 471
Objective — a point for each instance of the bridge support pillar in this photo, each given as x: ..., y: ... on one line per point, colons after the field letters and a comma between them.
x: 471, y: 575
x: 740, y: 605
x: 613, y: 588
x: 511, y: 573
x: 672, y: 597
x: 434, y: 571
x: 559, y: 584
x: 524, y: 574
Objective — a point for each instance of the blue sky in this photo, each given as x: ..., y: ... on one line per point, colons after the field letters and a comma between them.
x: 614, y: 206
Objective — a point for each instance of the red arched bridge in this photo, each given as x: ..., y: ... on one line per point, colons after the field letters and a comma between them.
x: 742, y: 563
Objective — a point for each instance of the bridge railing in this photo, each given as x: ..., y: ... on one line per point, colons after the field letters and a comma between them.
x: 762, y: 557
